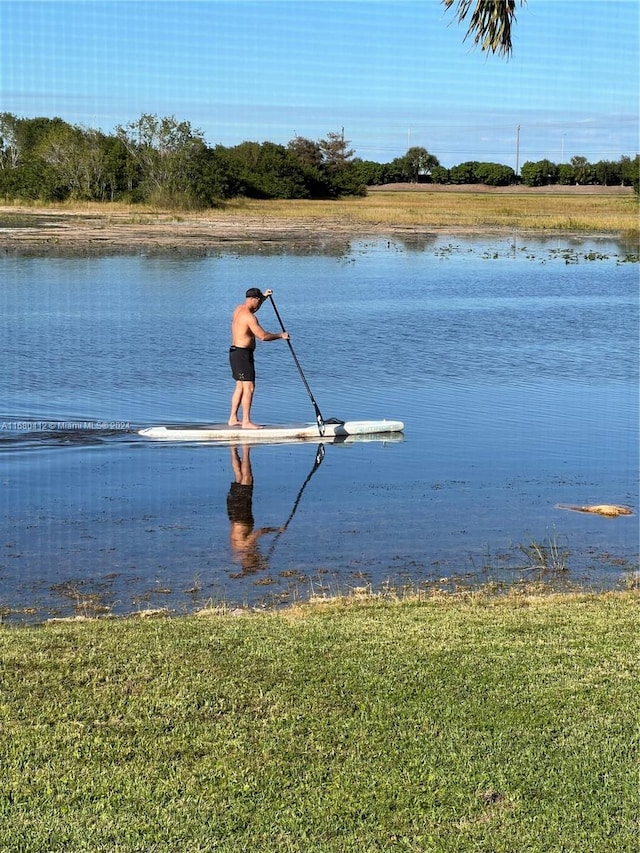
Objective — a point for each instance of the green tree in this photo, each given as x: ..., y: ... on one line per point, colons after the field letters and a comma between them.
x: 216, y: 177
x: 464, y: 173
x: 530, y: 174
x: 164, y: 152
x: 494, y: 174
x: 116, y: 179
x: 566, y: 174
x: 583, y: 170
x: 9, y: 145
x: 630, y: 171
x: 309, y: 156
x: 24, y: 173
x: 30, y: 132
x: 337, y: 166
x: 335, y: 151
x: 399, y: 170
x: 440, y: 175
x: 269, y: 170
x: 371, y: 173
x: 490, y: 22
x: 79, y: 159
x: 307, y: 152
x: 538, y: 174
x: 30, y: 180
x: 606, y: 173
x: 416, y: 162
x: 419, y: 162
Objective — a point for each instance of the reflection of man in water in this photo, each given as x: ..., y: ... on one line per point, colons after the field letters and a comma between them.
x: 243, y: 539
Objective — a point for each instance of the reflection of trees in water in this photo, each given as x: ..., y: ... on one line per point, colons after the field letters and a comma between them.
x: 416, y: 242
x: 294, y: 245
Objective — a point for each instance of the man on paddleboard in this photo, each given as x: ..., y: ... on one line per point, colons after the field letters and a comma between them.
x: 245, y: 328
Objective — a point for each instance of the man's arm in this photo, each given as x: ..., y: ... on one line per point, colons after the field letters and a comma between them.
x: 260, y: 333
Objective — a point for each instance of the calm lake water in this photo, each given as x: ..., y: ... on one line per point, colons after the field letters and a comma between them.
x: 513, y: 364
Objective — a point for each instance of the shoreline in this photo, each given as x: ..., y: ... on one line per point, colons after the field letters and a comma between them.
x: 68, y: 234
x: 94, y: 230
x: 528, y: 594
x: 59, y: 231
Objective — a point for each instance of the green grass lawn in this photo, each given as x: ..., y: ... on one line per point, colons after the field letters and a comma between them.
x: 462, y: 724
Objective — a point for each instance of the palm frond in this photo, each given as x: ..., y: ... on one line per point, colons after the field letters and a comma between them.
x: 490, y: 22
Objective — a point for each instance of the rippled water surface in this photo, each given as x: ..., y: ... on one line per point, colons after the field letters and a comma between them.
x: 514, y: 366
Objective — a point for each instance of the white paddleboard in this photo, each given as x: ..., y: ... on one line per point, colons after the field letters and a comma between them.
x: 272, y: 432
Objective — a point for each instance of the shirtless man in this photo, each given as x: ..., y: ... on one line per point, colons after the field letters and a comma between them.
x: 245, y: 328
x: 243, y: 539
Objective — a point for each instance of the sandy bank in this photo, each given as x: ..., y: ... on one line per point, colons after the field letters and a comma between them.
x: 52, y: 231
x: 102, y: 231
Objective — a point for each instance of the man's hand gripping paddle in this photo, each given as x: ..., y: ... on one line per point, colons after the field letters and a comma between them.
x: 319, y: 419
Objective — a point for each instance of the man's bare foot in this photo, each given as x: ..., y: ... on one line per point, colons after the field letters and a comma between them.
x: 234, y: 423
x: 251, y: 426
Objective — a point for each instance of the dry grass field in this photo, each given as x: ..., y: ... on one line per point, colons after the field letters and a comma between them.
x: 385, y: 211
x: 565, y: 210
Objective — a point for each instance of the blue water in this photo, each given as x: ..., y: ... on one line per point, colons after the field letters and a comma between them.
x: 514, y: 368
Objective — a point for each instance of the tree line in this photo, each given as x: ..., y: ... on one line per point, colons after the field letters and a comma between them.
x: 417, y: 165
x: 163, y: 161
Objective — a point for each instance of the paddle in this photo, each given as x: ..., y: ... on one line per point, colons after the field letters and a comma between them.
x: 319, y: 419
x: 316, y: 464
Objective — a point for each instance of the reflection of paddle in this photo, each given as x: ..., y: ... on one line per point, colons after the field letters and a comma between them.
x: 316, y: 464
x: 319, y: 419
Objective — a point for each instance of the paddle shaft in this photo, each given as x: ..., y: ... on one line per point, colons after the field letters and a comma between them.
x: 319, y: 457
x: 319, y: 418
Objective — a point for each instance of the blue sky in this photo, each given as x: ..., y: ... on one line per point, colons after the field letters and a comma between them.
x: 393, y: 73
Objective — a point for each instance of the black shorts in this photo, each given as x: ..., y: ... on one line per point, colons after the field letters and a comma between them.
x: 239, y: 503
x: 242, y: 366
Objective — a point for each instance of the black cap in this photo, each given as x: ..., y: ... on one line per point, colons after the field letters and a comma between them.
x: 254, y: 292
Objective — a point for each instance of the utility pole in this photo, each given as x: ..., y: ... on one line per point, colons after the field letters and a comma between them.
x: 518, y: 151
